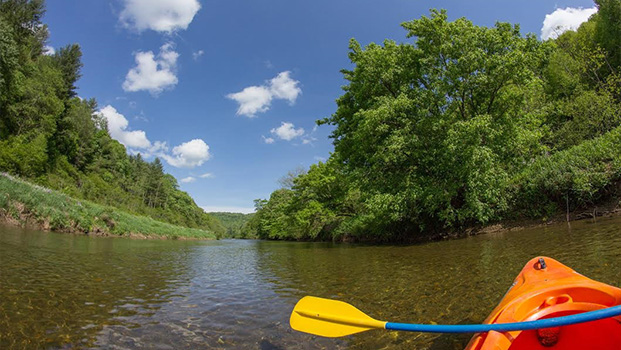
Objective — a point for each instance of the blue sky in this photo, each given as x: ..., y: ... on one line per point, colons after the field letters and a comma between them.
x: 227, y: 92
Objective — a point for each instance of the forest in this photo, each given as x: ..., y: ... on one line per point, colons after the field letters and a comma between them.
x: 51, y: 136
x: 459, y: 126
x: 234, y: 223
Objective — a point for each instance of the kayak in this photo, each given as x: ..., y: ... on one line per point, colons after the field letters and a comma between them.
x: 544, y: 289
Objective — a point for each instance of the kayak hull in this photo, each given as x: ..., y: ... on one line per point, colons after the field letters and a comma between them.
x: 545, y: 288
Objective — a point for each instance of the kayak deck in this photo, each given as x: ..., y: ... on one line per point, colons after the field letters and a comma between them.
x: 544, y: 289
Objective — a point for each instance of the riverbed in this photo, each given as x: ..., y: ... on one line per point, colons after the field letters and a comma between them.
x: 61, y: 291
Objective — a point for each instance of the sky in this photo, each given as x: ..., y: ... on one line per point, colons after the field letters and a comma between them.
x: 227, y: 92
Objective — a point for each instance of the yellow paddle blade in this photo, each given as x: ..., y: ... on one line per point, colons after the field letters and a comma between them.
x: 330, y: 318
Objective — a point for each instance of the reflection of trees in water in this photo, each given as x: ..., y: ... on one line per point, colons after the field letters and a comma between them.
x: 60, y: 290
x: 63, y: 289
x: 397, y: 283
x: 444, y: 282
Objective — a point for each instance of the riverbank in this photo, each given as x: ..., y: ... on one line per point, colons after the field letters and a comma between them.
x: 27, y: 205
x: 610, y: 206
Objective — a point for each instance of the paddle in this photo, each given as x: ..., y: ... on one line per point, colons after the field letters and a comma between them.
x: 333, y: 318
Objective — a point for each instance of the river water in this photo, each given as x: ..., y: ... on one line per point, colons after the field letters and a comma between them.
x: 65, y: 291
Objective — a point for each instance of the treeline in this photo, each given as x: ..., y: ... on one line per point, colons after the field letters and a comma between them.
x: 235, y: 224
x: 462, y: 126
x: 53, y: 137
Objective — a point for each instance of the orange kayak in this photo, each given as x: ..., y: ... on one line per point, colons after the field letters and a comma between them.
x: 544, y: 289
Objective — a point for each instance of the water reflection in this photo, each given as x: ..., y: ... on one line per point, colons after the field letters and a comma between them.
x: 453, y: 282
x: 61, y: 291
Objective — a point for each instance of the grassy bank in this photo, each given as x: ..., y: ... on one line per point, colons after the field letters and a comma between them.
x: 25, y: 204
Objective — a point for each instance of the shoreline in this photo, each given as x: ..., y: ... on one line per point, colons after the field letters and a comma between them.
x: 26, y: 205
x: 76, y: 217
x: 607, y: 208
x: 518, y: 225
x: 28, y: 221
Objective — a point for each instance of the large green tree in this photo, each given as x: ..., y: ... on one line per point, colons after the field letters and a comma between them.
x: 462, y: 126
x: 431, y: 131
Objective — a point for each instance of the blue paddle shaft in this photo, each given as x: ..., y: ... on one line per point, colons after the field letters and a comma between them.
x: 507, y: 327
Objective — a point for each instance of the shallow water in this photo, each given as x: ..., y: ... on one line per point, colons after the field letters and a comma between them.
x: 65, y: 291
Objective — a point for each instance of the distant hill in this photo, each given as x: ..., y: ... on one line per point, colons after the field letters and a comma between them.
x: 234, y: 223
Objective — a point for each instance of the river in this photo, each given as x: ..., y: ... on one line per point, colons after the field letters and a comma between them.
x: 62, y: 291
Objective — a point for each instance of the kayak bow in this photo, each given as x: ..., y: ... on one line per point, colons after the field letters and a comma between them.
x: 545, y: 298
x: 545, y: 290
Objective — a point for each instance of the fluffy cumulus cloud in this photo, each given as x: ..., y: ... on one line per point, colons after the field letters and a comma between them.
x: 562, y: 20
x: 188, y: 154
x: 287, y: 131
x: 258, y: 99
x: 207, y: 176
x: 252, y: 100
x: 118, y: 129
x: 283, y: 87
x: 268, y: 140
x: 153, y: 73
x: 165, y: 16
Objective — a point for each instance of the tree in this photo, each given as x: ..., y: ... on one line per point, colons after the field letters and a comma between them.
x: 440, y: 125
x: 69, y: 62
x: 24, y: 16
x: 608, y: 31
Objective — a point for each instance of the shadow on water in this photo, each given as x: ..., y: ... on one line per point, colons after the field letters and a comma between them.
x: 267, y: 345
x: 453, y: 341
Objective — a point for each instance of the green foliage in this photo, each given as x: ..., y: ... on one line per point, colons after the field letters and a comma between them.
x: 24, y: 18
x: 235, y: 224
x: 68, y: 61
x: 466, y: 125
x: 608, y: 31
x: 443, y: 124
x: 587, y: 115
x: 56, y: 139
x: 24, y: 154
x: 574, y: 177
x: 30, y: 203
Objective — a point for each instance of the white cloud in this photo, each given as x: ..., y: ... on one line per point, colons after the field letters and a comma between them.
x: 268, y: 140
x: 153, y: 74
x: 286, y: 131
x: 225, y: 209
x: 159, y: 15
x: 187, y: 180
x: 283, y: 87
x: 562, y: 20
x: 188, y: 154
x: 117, y: 127
x: 196, y: 55
x: 207, y: 176
x: 48, y: 50
x: 309, y: 140
x: 258, y: 99
x: 252, y: 100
